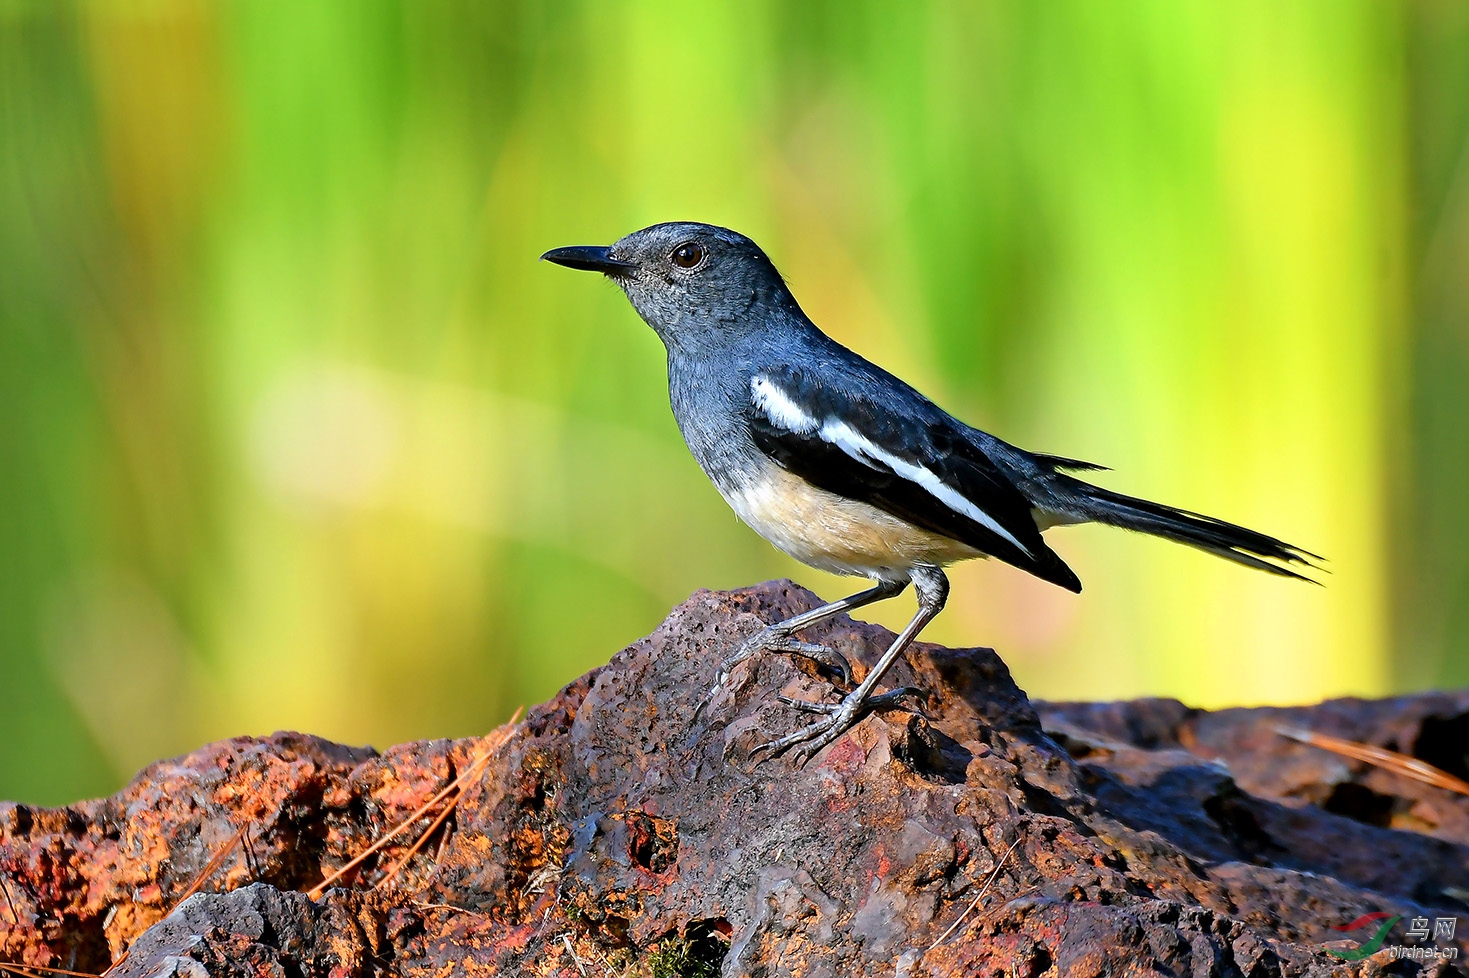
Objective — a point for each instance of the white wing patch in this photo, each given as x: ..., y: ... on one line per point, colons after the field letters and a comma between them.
x: 778, y: 406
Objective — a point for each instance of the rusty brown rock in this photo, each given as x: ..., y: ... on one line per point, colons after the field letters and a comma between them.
x: 613, y: 835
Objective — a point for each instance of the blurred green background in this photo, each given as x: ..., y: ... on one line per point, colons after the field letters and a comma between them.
x: 295, y: 431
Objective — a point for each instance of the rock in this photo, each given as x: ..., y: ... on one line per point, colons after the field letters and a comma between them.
x: 611, y: 834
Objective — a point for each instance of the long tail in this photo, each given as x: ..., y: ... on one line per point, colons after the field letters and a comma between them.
x: 1236, y: 543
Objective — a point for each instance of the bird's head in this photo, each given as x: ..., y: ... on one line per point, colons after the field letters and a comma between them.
x: 695, y: 284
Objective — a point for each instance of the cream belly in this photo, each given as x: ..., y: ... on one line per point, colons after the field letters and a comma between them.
x: 839, y: 535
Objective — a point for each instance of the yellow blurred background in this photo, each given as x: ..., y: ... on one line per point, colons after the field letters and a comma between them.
x: 296, y: 432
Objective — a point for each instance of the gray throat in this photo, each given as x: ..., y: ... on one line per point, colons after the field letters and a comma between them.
x: 710, y: 397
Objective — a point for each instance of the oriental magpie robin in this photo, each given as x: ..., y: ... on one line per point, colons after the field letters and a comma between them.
x: 845, y: 467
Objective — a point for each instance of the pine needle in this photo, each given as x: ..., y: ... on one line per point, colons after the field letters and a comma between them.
x: 433, y: 826
x: 470, y: 773
x: 193, y: 887
x: 210, y: 867
x: 316, y: 891
x: 24, y: 969
x: 447, y: 906
x: 982, y: 891
x: 580, y: 968
x: 5, y: 888
x: 1408, y: 767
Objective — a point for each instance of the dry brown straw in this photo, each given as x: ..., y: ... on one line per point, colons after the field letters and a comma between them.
x: 983, y: 890
x: 212, y: 865
x: 1408, y: 767
x: 460, y: 782
x: 316, y: 891
x: 22, y: 969
x: 193, y: 888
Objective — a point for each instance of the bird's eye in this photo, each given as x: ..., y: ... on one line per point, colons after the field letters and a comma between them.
x: 687, y: 255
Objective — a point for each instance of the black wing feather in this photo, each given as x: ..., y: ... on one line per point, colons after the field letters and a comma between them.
x: 913, y: 430
x: 1068, y: 464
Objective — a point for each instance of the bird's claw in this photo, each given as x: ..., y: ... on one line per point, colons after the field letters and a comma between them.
x: 814, y: 736
x: 893, y: 700
x: 833, y: 661
x: 809, y: 707
x: 772, y: 639
x: 838, y: 718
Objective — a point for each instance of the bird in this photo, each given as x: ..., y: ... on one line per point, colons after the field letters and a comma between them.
x: 848, y: 469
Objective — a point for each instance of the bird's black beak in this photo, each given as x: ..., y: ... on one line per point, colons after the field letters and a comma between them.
x: 588, y: 258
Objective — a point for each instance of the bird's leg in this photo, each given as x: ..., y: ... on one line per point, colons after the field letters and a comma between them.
x: 777, y: 637
x: 932, y: 588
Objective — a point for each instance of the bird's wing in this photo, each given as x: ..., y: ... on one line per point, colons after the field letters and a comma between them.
x: 891, y: 448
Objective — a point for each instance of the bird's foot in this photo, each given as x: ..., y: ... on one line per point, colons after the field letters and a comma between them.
x: 772, y: 638
x: 838, y: 718
x: 823, y: 655
x: 892, y: 700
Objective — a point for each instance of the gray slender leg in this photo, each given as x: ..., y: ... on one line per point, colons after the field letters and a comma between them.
x: 777, y: 637
x: 932, y: 588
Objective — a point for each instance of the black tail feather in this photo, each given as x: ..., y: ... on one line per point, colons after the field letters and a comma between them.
x: 1236, y: 543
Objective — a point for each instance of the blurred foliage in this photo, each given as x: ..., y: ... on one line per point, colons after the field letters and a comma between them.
x: 297, y: 433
